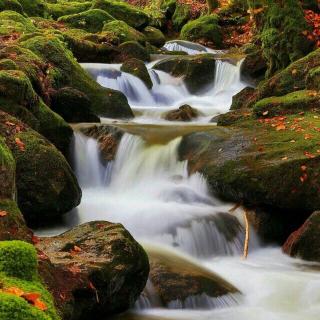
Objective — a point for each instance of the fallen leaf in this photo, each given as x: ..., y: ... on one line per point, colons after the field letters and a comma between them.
x: 20, y: 144
x: 280, y: 127
x: 265, y: 113
x: 284, y: 158
x: 35, y: 239
x: 303, y: 168
x: 40, y: 305
x: 3, y: 213
x: 15, y: 291
x: 31, y: 297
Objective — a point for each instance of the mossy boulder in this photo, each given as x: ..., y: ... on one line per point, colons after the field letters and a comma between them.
x: 133, y: 49
x: 91, y: 20
x: 7, y: 172
x: 205, y: 29
x: 304, y: 242
x: 294, y: 102
x: 313, y: 79
x: 154, y: 36
x: 134, y: 17
x: 18, y: 265
x: 175, y: 278
x: 110, y: 265
x: 65, y: 71
x: 169, y: 7
x: 184, y: 113
x: 260, y: 162
x: 34, y: 8
x: 121, y: 31
x: 46, y: 185
x: 197, y: 71
x: 73, y: 105
x: 181, y: 16
x: 138, y: 69
x: 241, y: 99
x: 13, y: 5
x: 65, y: 8
x: 20, y: 100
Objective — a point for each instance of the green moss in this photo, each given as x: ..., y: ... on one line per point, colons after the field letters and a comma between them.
x: 313, y: 79
x: 91, y: 20
x: 169, y: 7
x: 123, y: 32
x: 181, y: 16
x: 8, y: 168
x: 138, y: 69
x: 18, y: 259
x: 154, y: 36
x: 63, y: 8
x: 132, y: 49
x: 34, y: 7
x: 8, y: 64
x: 134, y: 17
x: 295, y: 102
x: 13, y: 5
x: 205, y: 28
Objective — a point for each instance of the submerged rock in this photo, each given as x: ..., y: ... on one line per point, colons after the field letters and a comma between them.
x: 197, y: 71
x: 94, y: 270
x: 176, y: 279
x: 305, y: 243
x: 184, y: 113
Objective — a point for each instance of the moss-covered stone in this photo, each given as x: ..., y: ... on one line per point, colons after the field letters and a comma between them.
x: 154, y: 36
x: 313, y: 79
x: 7, y: 172
x: 46, y: 185
x: 169, y: 7
x: 134, y: 17
x: 18, y: 265
x: 34, y: 7
x: 240, y: 99
x: 138, y: 69
x: 132, y: 49
x: 65, y: 71
x: 295, y: 102
x: 8, y: 64
x: 13, y: 5
x: 64, y: 8
x: 205, y: 29
x: 123, y: 32
x: 91, y: 20
x: 12, y: 225
x: 197, y: 70
x: 181, y: 16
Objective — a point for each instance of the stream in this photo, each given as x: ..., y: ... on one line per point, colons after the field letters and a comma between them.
x: 149, y: 191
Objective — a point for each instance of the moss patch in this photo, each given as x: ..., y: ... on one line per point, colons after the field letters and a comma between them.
x: 64, y: 8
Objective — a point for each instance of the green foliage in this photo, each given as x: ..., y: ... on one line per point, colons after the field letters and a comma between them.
x: 91, y: 20
x: 205, y: 28
x: 181, y: 16
x: 18, y: 259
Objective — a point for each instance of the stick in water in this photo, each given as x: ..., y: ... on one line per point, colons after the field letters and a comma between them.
x: 247, y: 238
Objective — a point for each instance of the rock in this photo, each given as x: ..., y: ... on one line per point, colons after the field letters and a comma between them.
x: 242, y: 162
x: 18, y: 269
x: 240, y: 100
x: 184, y: 113
x: 72, y: 105
x: 294, y: 102
x: 64, y: 8
x: 174, y: 278
x: 205, y: 30
x: 254, y: 66
x: 90, y: 20
x: 46, y: 185
x: 65, y: 71
x: 108, y: 138
x: 154, y: 36
x: 132, y: 49
x: 34, y: 7
x: 134, y: 17
x: 138, y: 69
x: 169, y: 7
x: 313, y: 79
x: 198, y: 70
x: 121, y: 32
x: 181, y: 16
x: 94, y: 270
x: 304, y: 243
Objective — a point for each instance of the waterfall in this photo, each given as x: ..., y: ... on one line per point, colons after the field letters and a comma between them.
x: 190, y: 48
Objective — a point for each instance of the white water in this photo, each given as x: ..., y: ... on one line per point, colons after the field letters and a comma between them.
x: 188, y: 47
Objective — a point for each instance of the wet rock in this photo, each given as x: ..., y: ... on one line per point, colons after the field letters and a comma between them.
x: 46, y: 185
x: 240, y: 100
x: 154, y: 36
x: 108, y: 138
x: 174, y: 278
x: 304, y: 243
x: 197, y: 70
x: 132, y: 49
x: 72, y: 105
x: 138, y: 69
x: 94, y: 270
x: 184, y: 113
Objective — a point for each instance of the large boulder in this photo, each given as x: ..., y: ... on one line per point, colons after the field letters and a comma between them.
x: 46, y: 185
x: 63, y: 8
x: 133, y: 49
x: 205, y: 30
x: 184, y: 113
x: 176, y: 279
x: 198, y: 70
x: 94, y: 270
x: 134, y: 17
x: 154, y: 36
x: 304, y: 243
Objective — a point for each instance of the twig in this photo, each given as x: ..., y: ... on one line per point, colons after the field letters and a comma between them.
x: 247, y: 238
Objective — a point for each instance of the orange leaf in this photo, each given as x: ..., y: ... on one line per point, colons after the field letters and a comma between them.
x: 15, y: 291
x: 303, y: 168
x: 3, y: 213
x: 20, y: 144
x: 40, y: 305
x: 280, y: 127
x: 31, y: 297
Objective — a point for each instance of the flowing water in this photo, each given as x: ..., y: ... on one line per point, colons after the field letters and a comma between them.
x: 149, y: 190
